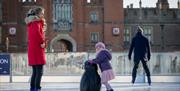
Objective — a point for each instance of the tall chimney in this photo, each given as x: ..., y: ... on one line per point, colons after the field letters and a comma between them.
x: 140, y: 4
x: 131, y: 5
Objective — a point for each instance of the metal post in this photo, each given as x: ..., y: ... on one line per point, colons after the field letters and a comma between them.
x: 7, y: 51
x: 7, y: 44
x: 10, y: 78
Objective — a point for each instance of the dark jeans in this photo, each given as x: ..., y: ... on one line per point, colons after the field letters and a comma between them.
x: 136, y: 63
x: 37, y: 71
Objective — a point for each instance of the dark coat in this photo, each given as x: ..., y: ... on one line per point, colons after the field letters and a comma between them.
x: 140, y: 46
x: 90, y: 80
x: 103, y: 59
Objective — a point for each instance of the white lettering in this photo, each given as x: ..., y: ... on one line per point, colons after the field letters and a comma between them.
x: 3, y: 61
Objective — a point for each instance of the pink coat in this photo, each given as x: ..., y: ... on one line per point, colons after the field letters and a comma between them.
x: 36, y: 54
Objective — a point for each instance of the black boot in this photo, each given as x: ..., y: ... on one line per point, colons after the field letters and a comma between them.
x: 110, y: 90
x: 34, y: 90
x: 133, y: 80
x: 149, y: 80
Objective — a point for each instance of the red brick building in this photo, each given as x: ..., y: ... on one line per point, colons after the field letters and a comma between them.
x: 13, y: 25
x: 76, y: 25
x: 83, y: 24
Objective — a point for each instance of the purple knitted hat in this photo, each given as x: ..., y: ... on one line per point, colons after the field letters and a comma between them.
x: 100, y: 45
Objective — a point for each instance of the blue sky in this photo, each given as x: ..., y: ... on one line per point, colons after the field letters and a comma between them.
x: 149, y: 3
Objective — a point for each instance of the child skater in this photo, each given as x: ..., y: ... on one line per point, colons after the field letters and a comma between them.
x: 103, y: 57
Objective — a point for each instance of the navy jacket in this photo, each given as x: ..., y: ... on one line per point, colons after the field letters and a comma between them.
x: 103, y: 58
x: 140, y: 46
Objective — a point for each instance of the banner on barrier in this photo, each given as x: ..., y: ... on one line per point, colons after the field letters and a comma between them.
x: 4, y: 64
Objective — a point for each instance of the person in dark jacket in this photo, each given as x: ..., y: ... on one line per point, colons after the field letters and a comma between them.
x: 103, y: 57
x: 140, y: 46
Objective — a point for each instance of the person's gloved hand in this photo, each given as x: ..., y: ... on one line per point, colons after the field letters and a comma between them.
x: 90, y: 61
x: 129, y: 57
x: 149, y: 57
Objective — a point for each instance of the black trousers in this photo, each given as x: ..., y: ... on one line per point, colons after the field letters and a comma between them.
x: 136, y: 63
x: 37, y: 72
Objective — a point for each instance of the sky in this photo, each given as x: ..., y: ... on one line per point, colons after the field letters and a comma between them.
x: 149, y: 3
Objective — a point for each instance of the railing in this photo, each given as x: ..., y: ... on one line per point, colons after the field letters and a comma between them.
x: 57, y: 64
x: 71, y: 64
